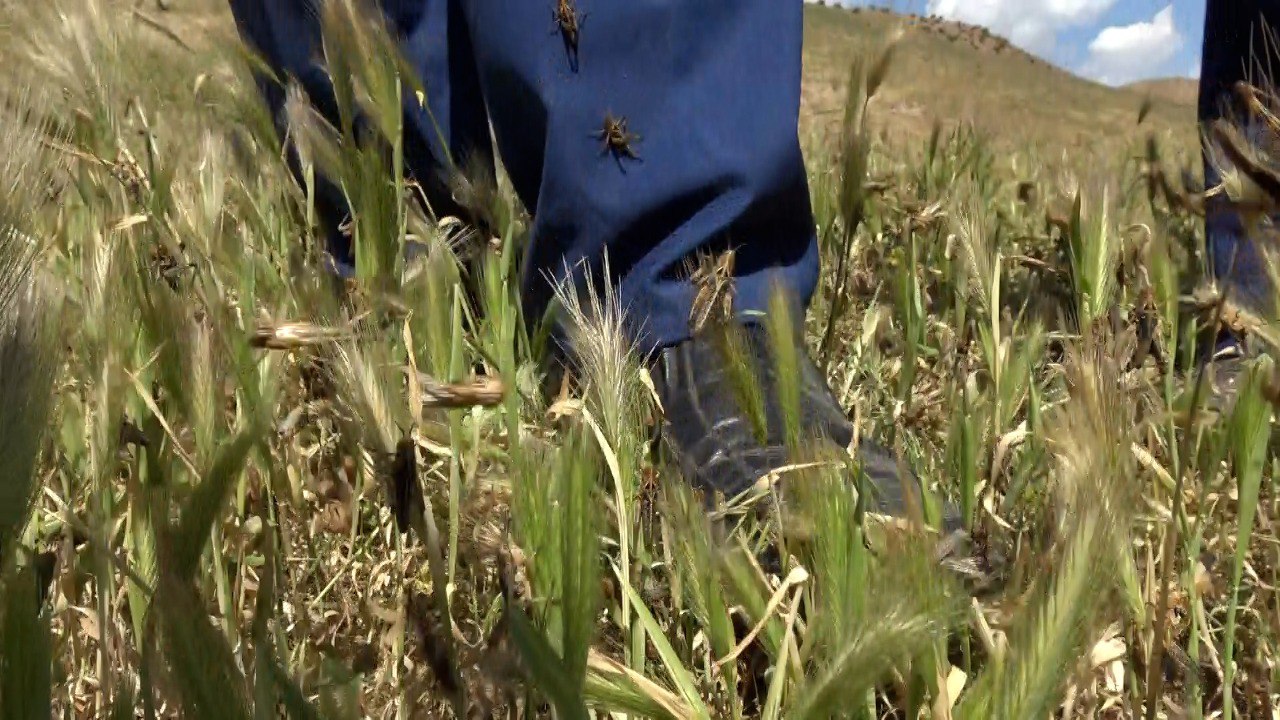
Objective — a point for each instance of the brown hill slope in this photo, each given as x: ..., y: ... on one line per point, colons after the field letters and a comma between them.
x: 1179, y: 91
x: 955, y: 72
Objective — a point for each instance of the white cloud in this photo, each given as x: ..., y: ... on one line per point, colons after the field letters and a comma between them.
x: 1030, y: 24
x: 1124, y: 53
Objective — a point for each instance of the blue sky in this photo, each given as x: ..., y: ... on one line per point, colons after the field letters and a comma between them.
x: 1113, y: 41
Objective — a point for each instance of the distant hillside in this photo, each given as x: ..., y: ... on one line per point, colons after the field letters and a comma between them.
x: 1179, y: 91
x: 956, y: 72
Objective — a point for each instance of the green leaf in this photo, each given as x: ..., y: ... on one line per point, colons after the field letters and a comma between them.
x: 670, y: 659
x: 546, y: 670
x: 25, y: 677
x: 295, y: 703
x: 27, y: 368
x: 340, y: 690
x: 579, y: 555
x: 264, y: 683
x: 124, y: 706
x: 616, y: 690
x: 206, y: 503
x: 201, y: 668
x: 1250, y: 429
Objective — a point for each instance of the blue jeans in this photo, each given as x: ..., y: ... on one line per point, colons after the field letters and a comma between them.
x: 711, y: 87
x: 1236, y: 45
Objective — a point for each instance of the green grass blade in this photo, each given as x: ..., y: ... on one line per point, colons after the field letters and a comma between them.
x: 670, y: 659
x: 1250, y: 431
x: 546, y: 670
x: 25, y: 677
x: 294, y: 701
x: 786, y: 342
x: 264, y: 686
x: 207, y: 501
x: 200, y: 664
x: 27, y: 369
x: 579, y: 555
x: 616, y: 688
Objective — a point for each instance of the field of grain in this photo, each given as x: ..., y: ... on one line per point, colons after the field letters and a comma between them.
x: 233, y: 487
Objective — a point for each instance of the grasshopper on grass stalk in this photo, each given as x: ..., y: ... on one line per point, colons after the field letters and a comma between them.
x: 616, y: 138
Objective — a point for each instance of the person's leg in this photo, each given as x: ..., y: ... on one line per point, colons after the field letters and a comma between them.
x: 1239, y: 45
x: 718, y: 164
x: 434, y: 39
x: 711, y: 89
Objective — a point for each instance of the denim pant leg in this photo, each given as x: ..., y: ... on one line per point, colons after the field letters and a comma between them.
x: 1238, y: 46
